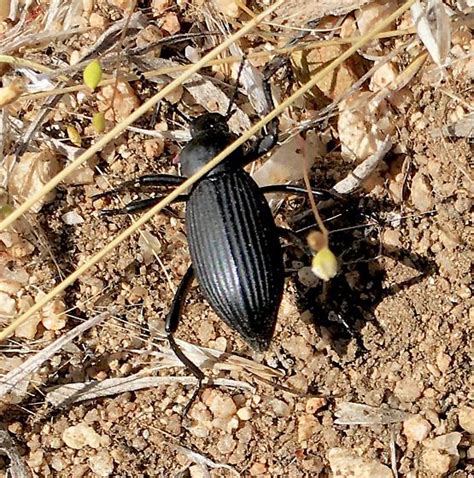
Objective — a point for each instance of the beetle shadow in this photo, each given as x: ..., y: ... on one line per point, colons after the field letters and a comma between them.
x: 348, y: 302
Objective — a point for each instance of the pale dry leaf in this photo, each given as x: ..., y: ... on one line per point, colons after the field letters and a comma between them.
x: 298, y: 12
x: 203, y: 461
x: 12, y: 379
x: 362, y: 172
x: 80, y: 391
x: 209, y: 358
x: 204, y: 91
x: 434, y: 29
x: 350, y: 413
x: 462, y: 128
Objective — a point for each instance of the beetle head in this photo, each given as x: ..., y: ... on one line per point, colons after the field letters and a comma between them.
x: 209, y: 123
x: 210, y: 135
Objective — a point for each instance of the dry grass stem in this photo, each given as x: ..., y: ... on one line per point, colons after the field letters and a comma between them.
x: 350, y: 413
x: 134, y: 116
x: 362, y: 172
x: 18, y: 468
x: 17, y: 375
x: 78, y: 392
x: 169, y: 198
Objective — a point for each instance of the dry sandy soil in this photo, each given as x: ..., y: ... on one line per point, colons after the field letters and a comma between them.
x: 391, y: 332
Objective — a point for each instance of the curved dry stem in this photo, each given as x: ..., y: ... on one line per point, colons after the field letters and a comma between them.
x: 189, y: 182
x: 219, y: 61
x: 134, y: 116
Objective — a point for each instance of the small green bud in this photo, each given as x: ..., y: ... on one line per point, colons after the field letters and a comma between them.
x: 92, y: 74
x: 98, y: 121
x: 74, y: 136
x: 324, y: 264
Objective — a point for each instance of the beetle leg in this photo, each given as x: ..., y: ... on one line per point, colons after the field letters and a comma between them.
x: 140, y: 205
x: 171, y: 324
x: 153, y: 180
x: 290, y: 189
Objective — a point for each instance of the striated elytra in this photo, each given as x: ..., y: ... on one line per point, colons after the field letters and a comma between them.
x: 233, y: 241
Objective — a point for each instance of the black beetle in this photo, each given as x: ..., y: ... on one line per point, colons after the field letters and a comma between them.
x: 233, y: 239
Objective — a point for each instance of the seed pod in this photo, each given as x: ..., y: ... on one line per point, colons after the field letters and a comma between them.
x: 92, y: 74
x: 324, y: 264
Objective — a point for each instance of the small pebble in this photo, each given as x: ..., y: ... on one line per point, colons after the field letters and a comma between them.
x: 307, y: 426
x: 102, y: 463
x: 170, y: 23
x: 391, y: 238
x: 30, y: 174
x: 196, y: 471
x: 244, y: 413
x: 54, y: 317
x: 7, y: 305
x: 447, y: 443
x: 299, y: 347
x: 344, y: 463
x: 436, y: 462
x: 221, y: 406
x: 199, y: 431
x: 158, y: 7
x: 220, y: 344
x: 314, y: 404
x: 466, y: 419
x: 421, y: 196
x: 229, y: 8
x: 226, y: 444
x: 279, y: 407
x: 35, y: 459
x: 383, y: 77
x: 72, y: 218
x: 258, y: 469
x: 470, y: 453
x: 57, y: 463
x: 307, y: 278
x: 81, y: 435
x: 416, y: 428
x: 408, y: 390
x: 443, y: 361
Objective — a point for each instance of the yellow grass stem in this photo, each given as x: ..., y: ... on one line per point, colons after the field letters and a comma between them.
x: 189, y: 182
x: 135, y: 115
x: 219, y: 61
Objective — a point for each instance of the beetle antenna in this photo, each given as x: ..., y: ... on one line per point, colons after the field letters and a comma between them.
x: 176, y: 110
x: 229, y: 111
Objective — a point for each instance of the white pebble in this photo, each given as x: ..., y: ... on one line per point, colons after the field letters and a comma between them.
x: 54, y: 317
x: 344, y: 463
x: 81, y: 435
x: 102, y: 463
x: 226, y: 444
x: 416, y: 428
x: 7, y: 305
x: 279, y: 407
x: 466, y: 419
x: 408, y: 390
x: 72, y: 218
x: 244, y: 413
x: 436, y: 462
x: 221, y: 406
x: 447, y: 443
